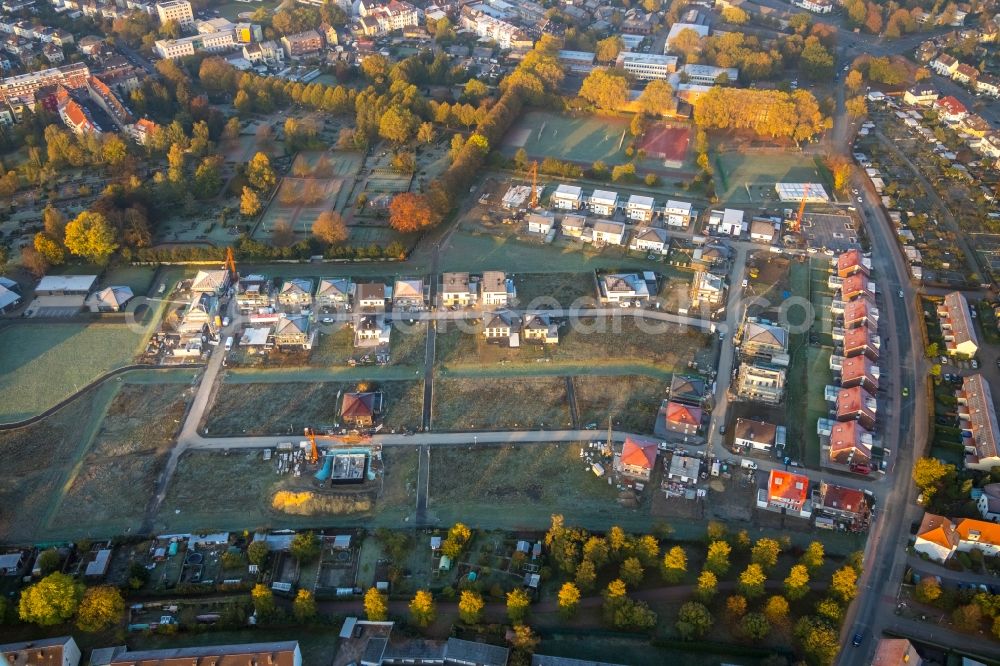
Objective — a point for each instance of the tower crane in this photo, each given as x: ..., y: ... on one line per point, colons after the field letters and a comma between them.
x: 534, y: 185
x: 231, y: 265
x: 797, y: 226
x: 314, y: 450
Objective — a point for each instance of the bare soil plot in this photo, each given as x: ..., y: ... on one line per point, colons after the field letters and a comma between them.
x: 594, y: 342
x: 517, y: 486
x: 553, y: 288
x: 631, y: 401
x: 333, y: 347
x: 500, y: 403
x: 279, y: 408
x: 215, y: 490
x: 118, y: 476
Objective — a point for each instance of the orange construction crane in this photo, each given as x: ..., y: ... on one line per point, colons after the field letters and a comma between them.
x: 797, y: 226
x: 534, y: 185
x: 231, y: 265
x: 314, y: 451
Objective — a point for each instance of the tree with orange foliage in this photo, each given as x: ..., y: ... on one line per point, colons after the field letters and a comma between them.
x: 411, y: 212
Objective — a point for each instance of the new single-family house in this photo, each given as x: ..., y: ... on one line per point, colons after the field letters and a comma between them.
x: 216, y: 281
x: 497, y: 326
x: 762, y: 231
x: 296, y: 293
x: 361, y: 409
x: 111, y: 299
x: 637, y: 458
x: 603, y: 202
x: 371, y: 330
x: 787, y: 493
x: 640, y: 208
x: 541, y: 222
x: 608, y: 232
x: 539, y: 328
x: 567, y: 197
x: 651, y: 239
x: 495, y: 289
x: 760, y: 383
x: 370, y: 296
x: 619, y: 287
x: 758, y: 435
x: 707, y: 288
x: 677, y: 418
x: 408, y: 294
x: 334, y: 292
x: 292, y: 332
x: 677, y: 213
x: 764, y: 340
x: 455, y: 290
x: 573, y: 225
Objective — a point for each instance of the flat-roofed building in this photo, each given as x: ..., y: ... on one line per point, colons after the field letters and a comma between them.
x: 677, y: 213
x: 603, y: 202
x: 640, y: 208
x: 567, y: 197
x: 647, y: 66
x: 175, y: 10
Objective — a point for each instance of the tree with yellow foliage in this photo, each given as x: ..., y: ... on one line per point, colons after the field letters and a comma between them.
x: 52, y: 600
x: 569, y: 599
x: 422, y: 608
x: 470, y: 607
x: 101, y: 607
x: 376, y: 606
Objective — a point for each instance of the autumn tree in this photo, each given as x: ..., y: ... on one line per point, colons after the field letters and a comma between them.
x: 717, y: 560
x: 410, y: 212
x: 736, y: 607
x: 693, y: 620
x: 815, y: 60
x: 609, y: 48
x: 687, y: 42
x: 52, y: 600
x: 765, y: 552
x: 249, y: 202
x: 928, y: 590
x: 397, y: 124
x: 844, y: 583
x: 930, y: 475
x: 569, y: 599
x: 813, y: 556
x: 674, y: 565
x: 91, y: 236
x: 631, y: 571
x: 263, y: 601
x: 819, y: 642
x: 50, y: 249
x: 605, y: 88
x: 523, y: 640
x: 776, y: 610
x: 830, y: 610
x: 857, y: 107
x: 854, y: 80
x: 48, y: 561
x: 329, y: 228
x: 967, y: 617
x: 470, y: 607
x: 456, y: 540
x: 305, y: 547
x: 100, y: 608
x: 797, y: 582
x: 734, y: 15
x: 422, y: 608
x: 425, y: 133
x: 376, y: 605
x: 586, y: 575
x: 657, y: 98
x: 304, y: 607
x: 54, y: 222
x: 518, y: 604
x: 260, y: 174
x: 708, y: 585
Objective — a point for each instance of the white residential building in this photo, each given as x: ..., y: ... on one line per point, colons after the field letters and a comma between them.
x: 651, y: 239
x: 609, y: 232
x: 603, y: 202
x: 640, y: 208
x: 567, y: 197
x: 677, y: 213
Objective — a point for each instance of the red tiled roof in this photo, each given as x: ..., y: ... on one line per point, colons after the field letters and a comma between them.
x: 857, y: 367
x: 853, y: 285
x: 950, y: 105
x: 860, y: 337
x: 847, y: 437
x: 787, y: 487
x: 639, y: 453
x: 938, y: 530
x: 683, y: 414
x: 843, y: 499
x: 850, y: 260
x: 856, y: 310
x: 853, y: 400
x: 357, y: 405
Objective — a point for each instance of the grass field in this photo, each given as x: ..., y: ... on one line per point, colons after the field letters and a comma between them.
x: 43, y: 363
x: 517, y: 486
x: 583, y: 139
x: 232, y: 10
x: 553, y: 288
x: 594, y: 343
x: 631, y: 401
x: 500, y: 403
x: 286, y: 408
x: 735, y: 172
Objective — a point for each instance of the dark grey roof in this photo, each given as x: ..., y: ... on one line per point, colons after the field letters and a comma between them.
x: 543, y: 660
x: 480, y: 654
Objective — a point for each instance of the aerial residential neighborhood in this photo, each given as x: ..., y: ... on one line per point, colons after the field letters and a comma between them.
x: 496, y: 333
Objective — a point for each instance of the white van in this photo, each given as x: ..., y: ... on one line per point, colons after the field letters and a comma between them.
x: 229, y: 343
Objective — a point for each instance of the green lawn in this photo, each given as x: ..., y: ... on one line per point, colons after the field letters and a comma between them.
x: 43, y: 363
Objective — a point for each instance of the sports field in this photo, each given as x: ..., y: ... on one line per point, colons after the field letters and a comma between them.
x: 584, y: 139
x: 667, y: 142
x: 750, y: 177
